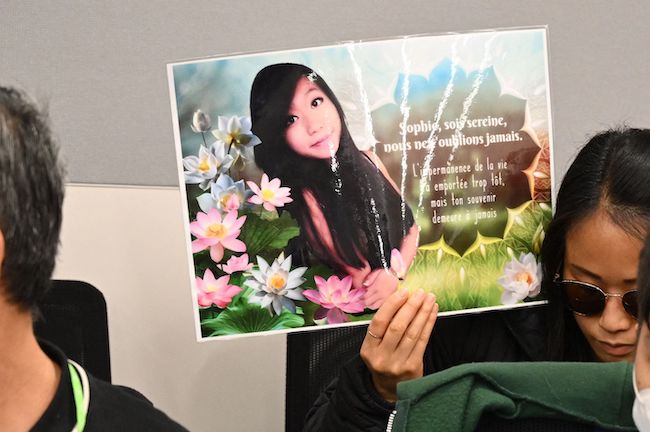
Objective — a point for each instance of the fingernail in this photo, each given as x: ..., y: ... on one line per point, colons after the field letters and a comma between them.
x: 366, y: 283
x: 430, y: 299
x: 419, y: 293
x: 402, y: 292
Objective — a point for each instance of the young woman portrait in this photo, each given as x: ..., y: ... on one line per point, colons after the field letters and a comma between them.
x: 590, y: 258
x: 350, y: 212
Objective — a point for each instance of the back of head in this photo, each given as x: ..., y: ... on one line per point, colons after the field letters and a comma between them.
x: 31, y: 197
x: 611, y: 173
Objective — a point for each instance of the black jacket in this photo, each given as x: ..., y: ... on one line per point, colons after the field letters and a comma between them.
x: 112, y: 408
x: 350, y: 403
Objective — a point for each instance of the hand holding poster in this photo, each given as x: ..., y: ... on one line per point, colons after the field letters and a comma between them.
x: 333, y: 175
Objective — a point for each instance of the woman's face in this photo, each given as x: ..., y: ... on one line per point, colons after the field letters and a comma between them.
x: 601, y: 253
x: 313, y: 123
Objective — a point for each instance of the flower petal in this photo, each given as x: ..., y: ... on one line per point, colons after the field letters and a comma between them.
x: 206, y: 202
x: 336, y: 316
x: 312, y: 295
x: 216, y: 252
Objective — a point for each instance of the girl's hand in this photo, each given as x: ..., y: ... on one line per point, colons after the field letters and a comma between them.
x: 397, y: 337
x: 379, y: 284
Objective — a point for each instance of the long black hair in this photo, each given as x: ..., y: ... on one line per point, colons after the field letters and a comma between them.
x: 361, y: 208
x: 611, y: 173
x: 643, y: 284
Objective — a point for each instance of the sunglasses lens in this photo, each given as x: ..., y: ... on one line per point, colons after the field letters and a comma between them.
x: 584, y: 299
x: 630, y: 303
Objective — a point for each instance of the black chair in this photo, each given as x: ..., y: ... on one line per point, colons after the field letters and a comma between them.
x: 314, y: 359
x: 73, y: 317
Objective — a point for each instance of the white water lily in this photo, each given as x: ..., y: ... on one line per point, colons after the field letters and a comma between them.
x: 521, y: 278
x: 235, y: 133
x: 276, y: 286
x: 204, y: 168
x: 225, y: 195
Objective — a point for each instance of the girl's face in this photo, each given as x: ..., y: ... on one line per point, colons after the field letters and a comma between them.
x: 313, y: 123
x: 601, y: 253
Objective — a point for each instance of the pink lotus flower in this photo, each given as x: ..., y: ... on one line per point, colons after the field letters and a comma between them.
x: 236, y: 263
x: 269, y: 193
x: 336, y: 297
x: 397, y: 264
x: 231, y: 202
x: 215, y: 291
x: 216, y: 234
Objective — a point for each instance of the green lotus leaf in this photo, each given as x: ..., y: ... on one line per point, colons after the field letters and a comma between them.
x: 287, y: 229
x: 264, y: 235
x: 257, y: 234
x: 243, y: 317
x: 361, y: 317
x: 202, y: 262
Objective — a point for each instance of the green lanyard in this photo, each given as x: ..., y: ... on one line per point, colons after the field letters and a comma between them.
x: 81, y: 394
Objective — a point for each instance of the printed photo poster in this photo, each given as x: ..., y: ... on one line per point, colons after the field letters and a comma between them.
x: 318, y: 181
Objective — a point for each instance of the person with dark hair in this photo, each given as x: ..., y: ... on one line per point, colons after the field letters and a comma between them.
x: 590, y: 257
x: 41, y: 389
x: 349, y: 210
x: 641, y: 408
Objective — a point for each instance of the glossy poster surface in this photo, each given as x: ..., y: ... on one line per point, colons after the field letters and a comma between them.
x: 318, y: 181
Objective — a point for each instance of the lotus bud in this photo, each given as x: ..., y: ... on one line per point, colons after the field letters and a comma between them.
x: 200, y: 122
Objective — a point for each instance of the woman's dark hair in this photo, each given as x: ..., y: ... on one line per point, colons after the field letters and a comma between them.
x: 611, y: 173
x: 643, y: 284
x: 356, y: 199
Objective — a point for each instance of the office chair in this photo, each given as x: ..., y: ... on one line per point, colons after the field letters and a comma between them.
x: 314, y: 359
x: 72, y: 315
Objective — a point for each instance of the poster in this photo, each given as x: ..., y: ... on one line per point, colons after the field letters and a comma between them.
x: 317, y: 181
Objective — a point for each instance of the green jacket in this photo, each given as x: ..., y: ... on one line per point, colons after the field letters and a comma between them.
x: 600, y: 394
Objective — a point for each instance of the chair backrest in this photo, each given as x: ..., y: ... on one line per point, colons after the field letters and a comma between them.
x: 314, y: 359
x: 73, y: 317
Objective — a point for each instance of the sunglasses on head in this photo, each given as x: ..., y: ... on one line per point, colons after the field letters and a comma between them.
x: 587, y: 299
